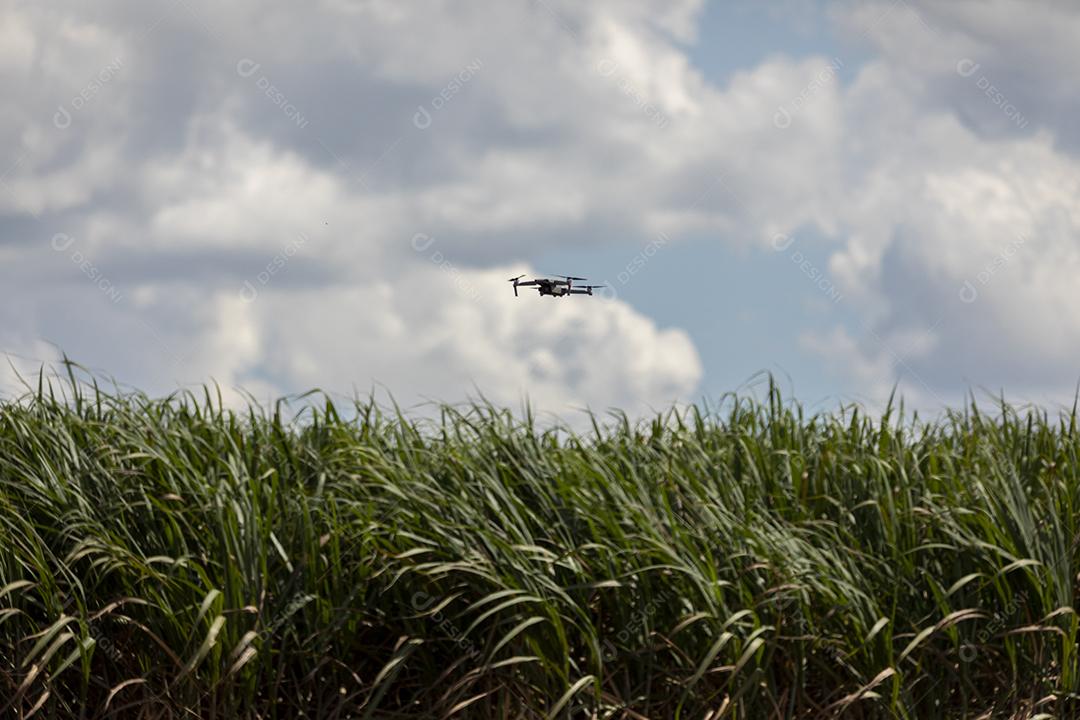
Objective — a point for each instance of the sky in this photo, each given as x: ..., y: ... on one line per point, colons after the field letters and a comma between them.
x: 855, y: 196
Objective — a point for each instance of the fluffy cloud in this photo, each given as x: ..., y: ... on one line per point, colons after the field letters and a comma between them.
x: 432, y: 332
x: 959, y: 237
x: 439, y: 327
x: 245, y: 211
x: 222, y: 135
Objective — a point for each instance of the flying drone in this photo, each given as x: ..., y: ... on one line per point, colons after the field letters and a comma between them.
x: 555, y: 288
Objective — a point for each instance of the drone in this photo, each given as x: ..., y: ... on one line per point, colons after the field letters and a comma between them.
x: 555, y: 288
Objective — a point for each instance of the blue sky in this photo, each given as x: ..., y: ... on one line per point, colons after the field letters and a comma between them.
x: 743, y: 308
x: 853, y: 195
x: 734, y: 36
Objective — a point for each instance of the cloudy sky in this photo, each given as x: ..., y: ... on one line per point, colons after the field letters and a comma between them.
x: 280, y: 196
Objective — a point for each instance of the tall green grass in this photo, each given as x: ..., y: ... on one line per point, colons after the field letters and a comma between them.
x: 174, y: 558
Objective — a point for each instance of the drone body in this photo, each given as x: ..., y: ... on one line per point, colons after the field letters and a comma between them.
x: 554, y: 288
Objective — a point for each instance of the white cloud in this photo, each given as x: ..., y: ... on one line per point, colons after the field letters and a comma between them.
x: 183, y: 179
x: 431, y: 330
x: 214, y: 206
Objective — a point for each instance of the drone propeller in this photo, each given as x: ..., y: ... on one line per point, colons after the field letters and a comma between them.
x: 584, y: 289
x: 515, y: 281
